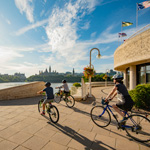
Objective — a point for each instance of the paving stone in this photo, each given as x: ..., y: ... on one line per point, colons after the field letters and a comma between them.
x: 8, y: 122
x: 19, y: 126
x: 54, y: 146
x: 145, y: 146
x: 32, y: 129
x: 35, y: 143
x: 20, y: 137
x: 2, y: 127
x: 84, y: 126
x: 103, y: 142
x: 21, y: 148
x: 79, y: 144
x: 6, y: 133
x: 61, y: 138
x: 45, y: 133
x: 126, y: 145
x: 74, y: 131
x: 102, y: 131
x: 7, y: 145
x: 29, y: 120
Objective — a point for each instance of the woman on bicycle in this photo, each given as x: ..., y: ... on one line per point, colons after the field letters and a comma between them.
x: 49, y: 95
x: 124, y: 100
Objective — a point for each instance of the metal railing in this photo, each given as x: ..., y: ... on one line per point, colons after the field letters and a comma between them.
x: 140, y: 31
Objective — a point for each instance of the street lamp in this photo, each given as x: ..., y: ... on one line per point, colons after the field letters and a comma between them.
x: 98, y: 56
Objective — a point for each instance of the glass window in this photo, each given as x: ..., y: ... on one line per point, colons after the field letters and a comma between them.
x: 148, y: 67
x: 143, y: 73
x: 142, y: 68
x: 147, y: 76
x: 142, y: 77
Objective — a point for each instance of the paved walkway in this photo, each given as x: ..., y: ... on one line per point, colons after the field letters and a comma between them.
x: 23, y: 128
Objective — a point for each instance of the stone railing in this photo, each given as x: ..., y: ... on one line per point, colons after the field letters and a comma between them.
x: 21, y: 91
x: 81, y: 93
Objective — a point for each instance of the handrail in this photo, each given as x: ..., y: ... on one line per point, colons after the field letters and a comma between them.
x: 139, y: 31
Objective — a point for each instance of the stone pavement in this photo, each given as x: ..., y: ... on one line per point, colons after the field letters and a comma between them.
x: 23, y: 128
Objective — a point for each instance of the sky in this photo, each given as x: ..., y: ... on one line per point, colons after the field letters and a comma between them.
x: 36, y: 34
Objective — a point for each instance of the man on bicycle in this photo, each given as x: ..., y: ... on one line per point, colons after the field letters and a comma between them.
x: 49, y: 95
x: 124, y: 100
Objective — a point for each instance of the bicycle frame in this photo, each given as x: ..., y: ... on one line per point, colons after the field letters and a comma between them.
x: 123, y: 126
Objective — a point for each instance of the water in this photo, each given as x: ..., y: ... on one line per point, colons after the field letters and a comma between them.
x: 13, y: 84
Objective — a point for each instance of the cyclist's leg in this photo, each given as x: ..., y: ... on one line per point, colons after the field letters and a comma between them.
x: 44, y: 103
x: 115, y: 107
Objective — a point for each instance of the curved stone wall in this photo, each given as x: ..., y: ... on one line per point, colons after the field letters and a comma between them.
x: 22, y: 91
x: 134, y: 51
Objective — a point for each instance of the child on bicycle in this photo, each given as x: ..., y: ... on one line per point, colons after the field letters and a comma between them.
x: 49, y: 95
x: 65, y: 87
x: 124, y: 100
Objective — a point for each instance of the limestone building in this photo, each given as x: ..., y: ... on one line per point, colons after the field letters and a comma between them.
x: 133, y: 58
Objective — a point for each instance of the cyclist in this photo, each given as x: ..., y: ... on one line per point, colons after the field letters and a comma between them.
x: 65, y: 87
x: 124, y: 100
x: 49, y: 95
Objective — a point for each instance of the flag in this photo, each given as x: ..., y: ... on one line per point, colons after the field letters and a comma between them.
x: 122, y: 34
x: 124, y: 24
x: 144, y: 5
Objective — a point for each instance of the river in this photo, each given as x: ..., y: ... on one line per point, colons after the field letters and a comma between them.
x: 13, y: 84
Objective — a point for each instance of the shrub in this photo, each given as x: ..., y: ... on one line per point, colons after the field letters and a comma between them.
x: 141, y: 96
x: 76, y: 84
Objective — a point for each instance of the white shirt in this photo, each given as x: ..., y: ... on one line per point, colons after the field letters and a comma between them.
x: 65, y: 86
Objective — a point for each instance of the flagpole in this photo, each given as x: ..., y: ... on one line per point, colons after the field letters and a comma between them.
x: 121, y: 33
x: 136, y: 15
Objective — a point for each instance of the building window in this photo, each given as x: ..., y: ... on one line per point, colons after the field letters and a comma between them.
x: 128, y: 78
x: 143, y: 73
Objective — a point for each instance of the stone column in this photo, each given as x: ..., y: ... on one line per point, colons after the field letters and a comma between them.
x: 132, y: 77
x: 125, y: 78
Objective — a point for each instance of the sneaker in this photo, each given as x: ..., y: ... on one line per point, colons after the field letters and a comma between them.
x: 42, y: 113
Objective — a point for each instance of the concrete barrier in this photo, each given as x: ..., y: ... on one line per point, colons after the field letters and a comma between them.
x: 22, y: 91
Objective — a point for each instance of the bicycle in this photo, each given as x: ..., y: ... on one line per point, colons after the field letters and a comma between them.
x: 51, y: 110
x: 69, y: 99
x: 137, y: 126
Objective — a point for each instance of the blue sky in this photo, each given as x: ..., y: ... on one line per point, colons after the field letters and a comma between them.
x: 36, y: 34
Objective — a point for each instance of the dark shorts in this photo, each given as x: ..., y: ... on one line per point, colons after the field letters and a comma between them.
x: 48, y: 101
x: 127, y: 105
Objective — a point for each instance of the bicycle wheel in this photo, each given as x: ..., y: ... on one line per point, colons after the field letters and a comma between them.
x: 40, y: 105
x: 53, y: 114
x: 138, y: 127
x: 57, y: 98
x: 70, y: 102
x: 100, y: 116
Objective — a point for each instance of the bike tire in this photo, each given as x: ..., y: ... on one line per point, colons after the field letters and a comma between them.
x: 40, y: 105
x: 70, y: 101
x: 57, y: 98
x: 139, y: 132
x: 54, y: 114
x: 101, y: 121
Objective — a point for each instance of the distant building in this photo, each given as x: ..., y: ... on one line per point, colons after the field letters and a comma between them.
x: 73, y: 72
x: 20, y: 75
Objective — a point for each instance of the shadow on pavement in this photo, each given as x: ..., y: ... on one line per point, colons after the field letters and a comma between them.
x: 24, y: 101
x: 89, y: 145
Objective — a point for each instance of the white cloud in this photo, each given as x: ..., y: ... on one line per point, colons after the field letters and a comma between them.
x: 86, y: 26
x: 33, y: 26
x: 93, y: 34
x: 62, y: 30
x: 26, y: 6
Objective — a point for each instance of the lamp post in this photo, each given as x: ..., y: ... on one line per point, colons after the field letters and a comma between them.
x: 98, y: 56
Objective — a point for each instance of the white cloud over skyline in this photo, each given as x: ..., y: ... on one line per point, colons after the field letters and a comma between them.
x: 26, y: 6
